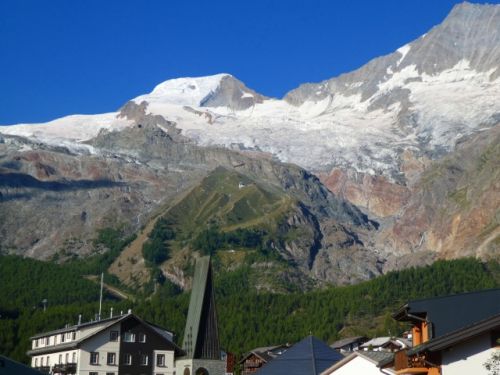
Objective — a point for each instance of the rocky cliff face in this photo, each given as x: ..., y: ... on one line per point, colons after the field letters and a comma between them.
x: 393, y: 165
x: 54, y: 199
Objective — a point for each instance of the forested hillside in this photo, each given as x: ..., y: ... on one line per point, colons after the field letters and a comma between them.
x: 247, y: 319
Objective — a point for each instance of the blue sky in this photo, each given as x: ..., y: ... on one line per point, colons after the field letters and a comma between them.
x: 62, y: 57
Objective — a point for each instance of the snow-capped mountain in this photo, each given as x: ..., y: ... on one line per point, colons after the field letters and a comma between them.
x: 422, y: 98
x: 389, y: 137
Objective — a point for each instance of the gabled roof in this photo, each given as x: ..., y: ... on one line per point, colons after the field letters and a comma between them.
x: 379, y: 359
x: 347, y: 341
x: 107, y: 323
x: 460, y: 335
x: 10, y: 367
x: 308, y: 357
x: 77, y: 327
x: 382, y: 341
x: 266, y: 353
x: 452, y: 312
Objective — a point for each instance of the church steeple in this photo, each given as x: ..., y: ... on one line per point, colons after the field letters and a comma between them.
x: 201, y: 335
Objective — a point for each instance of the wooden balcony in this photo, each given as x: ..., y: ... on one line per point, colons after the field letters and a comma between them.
x: 403, y: 364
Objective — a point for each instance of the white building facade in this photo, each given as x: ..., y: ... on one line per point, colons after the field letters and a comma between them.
x: 121, y: 345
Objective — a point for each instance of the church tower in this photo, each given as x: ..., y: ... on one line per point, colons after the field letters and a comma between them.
x: 201, y: 335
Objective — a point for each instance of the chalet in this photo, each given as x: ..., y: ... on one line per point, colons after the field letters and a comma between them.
x: 465, y: 350
x: 258, y: 357
x: 349, y: 344
x: 310, y: 356
x: 387, y: 344
x: 123, y: 344
x: 452, y: 334
x: 363, y: 362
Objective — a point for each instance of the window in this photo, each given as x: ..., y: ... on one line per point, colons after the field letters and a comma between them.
x: 67, y: 357
x: 62, y: 337
x: 36, y: 362
x: 127, y: 359
x: 60, y: 358
x: 73, y: 335
x: 68, y: 335
x: 48, y: 361
x: 41, y: 361
x: 94, y: 358
x: 129, y: 337
x: 74, y: 357
x: 93, y: 373
x: 144, y: 360
x: 36, y: 343
x: 47, y: 340
x: 113, y: 336
x: 142, y: 337
x: 111, y: 358
x: 110, y: 373
x: 160, y: 360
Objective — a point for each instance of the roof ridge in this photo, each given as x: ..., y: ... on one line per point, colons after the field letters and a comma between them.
x: 312, y: 355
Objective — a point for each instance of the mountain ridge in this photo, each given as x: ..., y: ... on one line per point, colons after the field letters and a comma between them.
x: 364, y: 153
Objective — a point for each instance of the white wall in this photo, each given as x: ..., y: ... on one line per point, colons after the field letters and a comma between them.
x: 101, y: 344
x: 169, y: 368
x: 468, y: 357
x: 54, y: 358
x: 357, y: 366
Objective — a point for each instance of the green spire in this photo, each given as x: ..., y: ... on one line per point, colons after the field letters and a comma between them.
x: 201, y: 335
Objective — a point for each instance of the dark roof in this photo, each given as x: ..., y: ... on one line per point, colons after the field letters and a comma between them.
x: 266, y: 353
x: 77, y: 327
x: 10, y: 367
x: 308, y: 357
x: 106, y: 324
x: 452, y: 312
x: 379, y: 358
x: 460, y: 335
x: 347, y: 341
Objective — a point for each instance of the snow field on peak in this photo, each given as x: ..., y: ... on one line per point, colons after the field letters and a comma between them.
x: 342, y: 130
x: 74, y: 128
x: 183, y: 91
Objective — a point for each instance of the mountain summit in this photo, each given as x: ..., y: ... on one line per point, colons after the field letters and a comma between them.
x: 220, y: 90
x: 392, y: 165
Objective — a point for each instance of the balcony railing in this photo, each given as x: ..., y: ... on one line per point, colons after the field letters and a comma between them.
x: 64, y: 368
